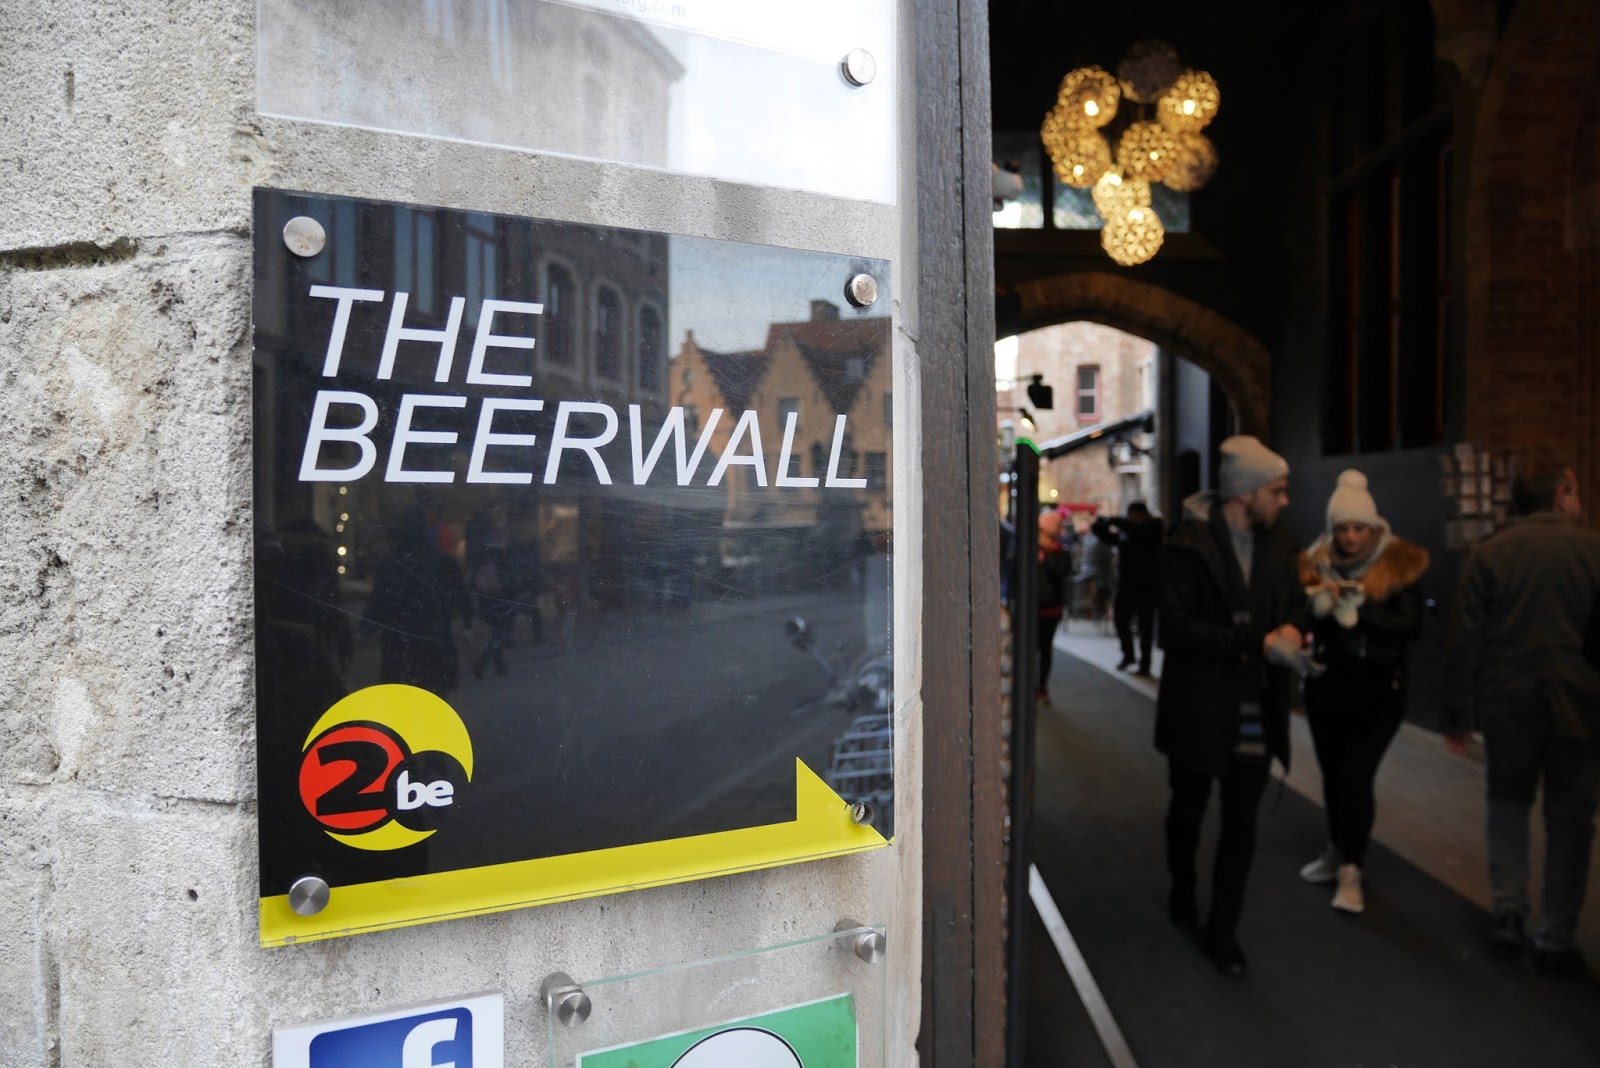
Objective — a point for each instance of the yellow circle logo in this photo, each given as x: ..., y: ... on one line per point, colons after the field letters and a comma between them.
x: 383, y: 764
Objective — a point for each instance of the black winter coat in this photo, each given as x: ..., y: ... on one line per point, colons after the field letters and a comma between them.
x: 1211, y: 660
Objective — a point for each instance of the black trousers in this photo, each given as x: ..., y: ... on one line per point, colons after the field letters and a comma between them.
x: 1241, y: 788
x: 1351, y: 728
x: 1140, y: 606
x: 1047, y: 645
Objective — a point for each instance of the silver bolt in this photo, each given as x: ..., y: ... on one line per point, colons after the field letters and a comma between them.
x: 565, y: 999
x: 859, y: 67
x: 862, y: 290
x: 308, y: 895
x: 861, y: 812
x: 867, y: 944
x: 304, y: 236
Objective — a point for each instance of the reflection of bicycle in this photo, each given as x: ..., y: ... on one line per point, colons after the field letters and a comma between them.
x: 860, y: 765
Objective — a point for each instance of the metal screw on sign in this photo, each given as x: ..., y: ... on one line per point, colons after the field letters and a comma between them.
x: 308, y: 895
x: 304, y: 236
x: 862, y: 290
x: 858, y: 66
x: 861, y: 812
x: 867, y: 944
x: 565, y: 999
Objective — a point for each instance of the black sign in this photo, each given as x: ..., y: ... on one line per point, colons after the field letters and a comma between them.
x: 571, y: 541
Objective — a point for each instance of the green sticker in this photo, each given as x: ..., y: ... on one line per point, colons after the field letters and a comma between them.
x: 818, y: 1034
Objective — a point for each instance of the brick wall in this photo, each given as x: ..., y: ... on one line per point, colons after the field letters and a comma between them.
x: 1529, y: 379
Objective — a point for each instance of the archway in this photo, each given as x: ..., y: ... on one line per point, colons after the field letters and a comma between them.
x: 1220, y: 347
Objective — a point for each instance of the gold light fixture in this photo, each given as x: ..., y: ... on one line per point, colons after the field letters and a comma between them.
x: 1079, y: 156
x: 1115, y: 195
x: 1148, y: 70
x: 1133, y: 237
x: 1146, y: 151
x: 1192, y: 165
x: 1191, y: 103
x: 1163, y: 143
x: 1088, y: 97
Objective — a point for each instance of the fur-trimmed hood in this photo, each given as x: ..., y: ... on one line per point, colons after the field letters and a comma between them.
x: 1398, y: 564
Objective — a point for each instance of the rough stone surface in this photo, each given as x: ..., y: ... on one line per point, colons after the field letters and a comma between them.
x: 127, y: 522
x: 128, y: 873
x: 126, y: 119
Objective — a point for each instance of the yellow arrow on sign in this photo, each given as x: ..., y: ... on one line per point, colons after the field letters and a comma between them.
x: 822, y: 828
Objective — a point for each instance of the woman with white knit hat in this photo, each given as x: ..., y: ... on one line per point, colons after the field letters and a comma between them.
x: 1361, y: 585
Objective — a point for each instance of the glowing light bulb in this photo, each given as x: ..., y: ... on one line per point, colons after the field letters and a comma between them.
x: 1077, y: 170
x: 1091, y: 108
x: 342, y: 550
x: 1188, y: 107
x: 344, y: 517
x: 341, y: 569
x: 343, y: 490
x: 338, y: 528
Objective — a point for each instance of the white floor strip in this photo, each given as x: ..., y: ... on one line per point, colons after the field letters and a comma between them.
x: 1094, y: 1002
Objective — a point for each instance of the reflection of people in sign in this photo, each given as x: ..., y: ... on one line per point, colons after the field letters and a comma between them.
x: 496, y: 584
x: 416, y: 594
x: 1138, y: 542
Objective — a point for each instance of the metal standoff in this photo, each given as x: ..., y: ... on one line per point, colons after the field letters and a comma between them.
x: 862, y: 290
x: 565, y: 998
x: 858, y: 66
x: 304, y: 236
x: 308, y: 895
x: 867, y: 944
x: 861, y: 813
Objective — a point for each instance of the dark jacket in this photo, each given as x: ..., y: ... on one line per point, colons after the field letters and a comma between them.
x: 1138, y: 545
x: 1524, y: 615
x: 1366, y: 661
x: 1055, y: 582
x: 1212, y: 630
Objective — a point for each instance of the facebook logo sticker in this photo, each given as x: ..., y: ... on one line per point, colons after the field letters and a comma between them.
x: 461, y: 1034
x: 437, y: 1040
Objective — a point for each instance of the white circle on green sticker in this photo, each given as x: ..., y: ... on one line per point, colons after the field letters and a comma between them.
x: 740, y: 1047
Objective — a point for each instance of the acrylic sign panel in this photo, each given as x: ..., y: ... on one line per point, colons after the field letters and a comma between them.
x: 572, y: 561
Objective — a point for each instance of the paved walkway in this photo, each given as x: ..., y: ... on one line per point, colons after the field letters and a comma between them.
x: 1410, y: 983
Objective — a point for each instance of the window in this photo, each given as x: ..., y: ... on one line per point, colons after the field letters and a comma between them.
x: 691, y: 418
x: 688, y: 377
x: 877, y: 471
x: 819, y: 460
x: 415, y: 248
x: 608, y: 334
x: 1088, y: 389
x: 483, y: 257
x: 650, y: 349
x: 855, y: 368
x: 559, y: 293
x: 888, y: 409
x: 787, y: 405
x: 792, y: 468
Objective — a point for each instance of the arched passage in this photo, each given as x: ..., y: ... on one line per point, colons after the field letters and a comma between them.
x: 1240, y: 364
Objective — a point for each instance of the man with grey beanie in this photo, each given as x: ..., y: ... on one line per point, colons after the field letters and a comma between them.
x: 1231, y: 616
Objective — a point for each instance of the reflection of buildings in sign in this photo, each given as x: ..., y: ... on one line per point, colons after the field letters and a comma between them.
x: 499, y: 71
x: 818, y: 369
x: 601, y: 337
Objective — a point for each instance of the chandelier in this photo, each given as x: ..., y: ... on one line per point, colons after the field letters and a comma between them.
x: 1163, y: 143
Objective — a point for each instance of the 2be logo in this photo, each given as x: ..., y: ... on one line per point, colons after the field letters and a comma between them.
x: 382, y: 768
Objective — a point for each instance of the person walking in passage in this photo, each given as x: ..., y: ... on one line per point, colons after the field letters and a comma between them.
x: 1522, y: 666
x: 1361, y: 587
x: 1055, y: 585
x: 1138, y: 542
x: 1230, y: 605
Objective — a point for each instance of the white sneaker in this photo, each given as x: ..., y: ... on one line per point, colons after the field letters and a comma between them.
x: 1325, y: 869
x: 1349, y: 898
